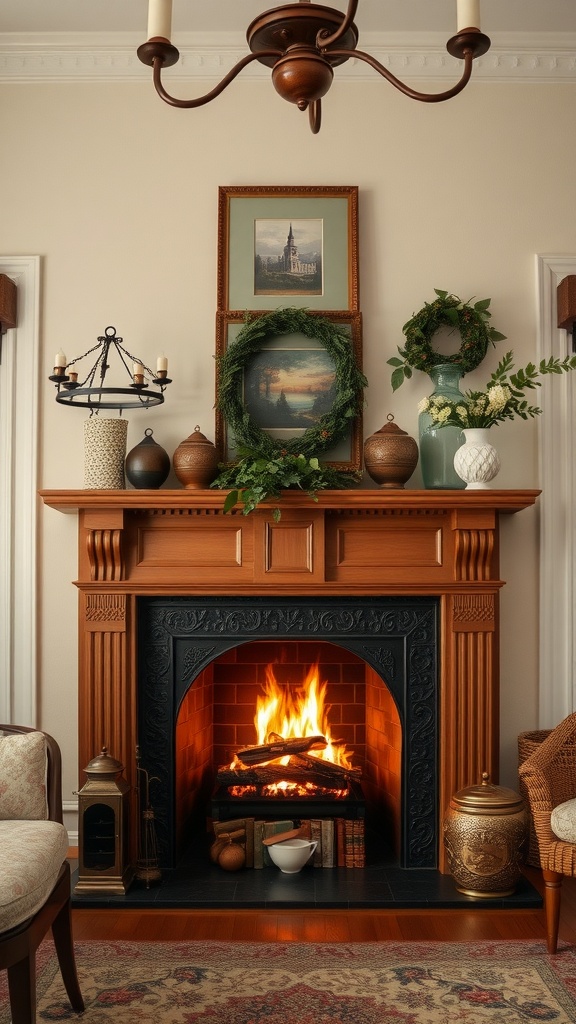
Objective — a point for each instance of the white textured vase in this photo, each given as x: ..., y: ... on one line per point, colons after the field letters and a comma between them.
x: 104, y: 453
x: 477, y: 461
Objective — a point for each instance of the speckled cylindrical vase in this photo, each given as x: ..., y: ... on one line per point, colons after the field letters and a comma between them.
x: 104, y: 453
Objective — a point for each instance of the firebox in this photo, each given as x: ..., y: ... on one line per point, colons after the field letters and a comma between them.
x: 204, y: 661
x: 309, y: 723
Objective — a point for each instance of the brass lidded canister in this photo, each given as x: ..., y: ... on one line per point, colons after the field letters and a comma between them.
x: 485, y: 832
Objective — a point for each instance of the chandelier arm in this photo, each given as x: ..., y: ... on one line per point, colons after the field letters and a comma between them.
x: 315, y: 116
x: 323, y: 40
x: 426, y: 97
x: 174, y: 102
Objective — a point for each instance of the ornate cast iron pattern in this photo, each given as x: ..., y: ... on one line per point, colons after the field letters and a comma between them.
x: 105, y: 554
x: 474, y: 554
x: 396, y: 636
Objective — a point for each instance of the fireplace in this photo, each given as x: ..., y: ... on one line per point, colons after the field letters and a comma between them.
x: 353, y: 556
x: 381, y: 652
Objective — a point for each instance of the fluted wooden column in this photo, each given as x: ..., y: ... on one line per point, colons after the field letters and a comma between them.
x: 106, y: 699
x: 469, y: 693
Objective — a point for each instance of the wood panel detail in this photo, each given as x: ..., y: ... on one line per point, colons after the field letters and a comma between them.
x: 105, y: 611
x: 292, y: 548
x: 474, y: 611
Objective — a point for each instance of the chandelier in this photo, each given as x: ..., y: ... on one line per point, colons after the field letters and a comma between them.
x: 303, y: 42
x: 144, y: 387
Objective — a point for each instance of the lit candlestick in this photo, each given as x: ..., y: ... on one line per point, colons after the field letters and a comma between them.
x: 159, y: 19
x: 161, y: 364
x: 468, y: 14
x: 59, y: 359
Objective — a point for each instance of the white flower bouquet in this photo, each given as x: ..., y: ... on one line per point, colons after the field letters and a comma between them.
x: 501, y: 399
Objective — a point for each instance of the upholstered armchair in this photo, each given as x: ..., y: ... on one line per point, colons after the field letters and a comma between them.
x: 549, y: 777
x: 34, y: 871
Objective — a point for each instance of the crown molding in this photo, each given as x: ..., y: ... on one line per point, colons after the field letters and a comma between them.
x: 92, y: 57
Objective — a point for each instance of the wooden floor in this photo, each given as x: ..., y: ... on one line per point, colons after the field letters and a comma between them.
x: 326, y: 926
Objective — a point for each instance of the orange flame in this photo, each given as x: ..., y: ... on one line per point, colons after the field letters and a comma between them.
x: 289, y: 713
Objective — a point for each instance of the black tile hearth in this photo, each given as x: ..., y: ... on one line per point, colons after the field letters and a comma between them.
x: 198, y: 884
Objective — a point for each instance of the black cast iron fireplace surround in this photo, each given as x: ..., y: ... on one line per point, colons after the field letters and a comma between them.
x: 180, y: 636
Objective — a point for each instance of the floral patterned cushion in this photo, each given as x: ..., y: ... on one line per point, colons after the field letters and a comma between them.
x: 32, y: 854
x: 23, y: 763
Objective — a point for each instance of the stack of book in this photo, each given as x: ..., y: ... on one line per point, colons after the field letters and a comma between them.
x: 340, y: 841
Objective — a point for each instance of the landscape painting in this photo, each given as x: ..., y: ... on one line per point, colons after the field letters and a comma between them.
x: 289, y: 389
x: 288, y: 256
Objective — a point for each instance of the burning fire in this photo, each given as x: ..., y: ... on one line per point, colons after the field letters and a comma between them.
x: 289, y: 713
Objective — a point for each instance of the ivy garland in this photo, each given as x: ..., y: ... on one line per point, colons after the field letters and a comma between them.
x: 446, y: 311
x: 349, y: 382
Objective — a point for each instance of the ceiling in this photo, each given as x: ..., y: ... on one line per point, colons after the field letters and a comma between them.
x: 234, y: 15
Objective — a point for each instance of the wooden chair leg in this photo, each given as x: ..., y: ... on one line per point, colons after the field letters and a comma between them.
x: 62, y: 934
x: 22, y: 989
x: 64, y: 944
x: 552, y: 894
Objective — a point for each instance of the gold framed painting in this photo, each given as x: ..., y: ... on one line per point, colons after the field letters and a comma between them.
x: 282, y: 245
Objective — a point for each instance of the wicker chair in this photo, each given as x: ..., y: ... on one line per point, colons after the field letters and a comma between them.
x: 549, y: 777
x: 34, y: 871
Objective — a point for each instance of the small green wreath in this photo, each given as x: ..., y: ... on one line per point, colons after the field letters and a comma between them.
x: 349, y: 382
x: 446, y: 311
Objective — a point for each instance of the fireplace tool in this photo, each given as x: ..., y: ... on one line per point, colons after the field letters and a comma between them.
x: 148, y: 860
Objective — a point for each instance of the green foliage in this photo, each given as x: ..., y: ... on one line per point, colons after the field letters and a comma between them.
x: 471, y: 321
x: 501, y: 399
x: 258, y: 476
x: 331, y: 427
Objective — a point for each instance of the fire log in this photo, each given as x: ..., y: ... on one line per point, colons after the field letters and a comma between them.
x: 280, y: 748
x: 301, y: 769
x: 327, y: 768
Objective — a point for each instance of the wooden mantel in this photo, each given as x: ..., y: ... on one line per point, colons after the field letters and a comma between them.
x: 407, y: 542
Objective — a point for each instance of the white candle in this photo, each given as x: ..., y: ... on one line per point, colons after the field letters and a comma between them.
x: 161, y: 363
x: 468, y: 14
x: 159, y: 18
x: 60, y: 359
x: 137, y: 368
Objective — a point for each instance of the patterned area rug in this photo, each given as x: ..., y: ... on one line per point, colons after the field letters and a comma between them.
x: 356, y: 983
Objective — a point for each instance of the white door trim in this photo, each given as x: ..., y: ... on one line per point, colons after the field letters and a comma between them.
x: 557, y: 688
x: 19, y: 405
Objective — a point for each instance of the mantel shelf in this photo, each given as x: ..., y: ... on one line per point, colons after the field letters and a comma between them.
x: 506, y: 501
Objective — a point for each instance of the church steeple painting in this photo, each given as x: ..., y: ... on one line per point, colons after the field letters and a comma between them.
x: 288, y: 257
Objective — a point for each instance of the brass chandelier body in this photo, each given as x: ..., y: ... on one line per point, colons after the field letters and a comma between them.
x: 303, y: 42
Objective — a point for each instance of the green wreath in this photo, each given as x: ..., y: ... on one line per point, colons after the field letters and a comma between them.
x: 349, y: 382
x: 446, y: 311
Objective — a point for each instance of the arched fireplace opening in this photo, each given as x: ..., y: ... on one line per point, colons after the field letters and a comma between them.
x: 202, y: 661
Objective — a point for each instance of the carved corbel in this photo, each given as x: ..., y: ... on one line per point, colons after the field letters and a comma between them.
x: 475, y: 551
x: 104, y: 530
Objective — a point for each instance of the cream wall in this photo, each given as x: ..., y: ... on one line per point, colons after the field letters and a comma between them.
x: 118, y: 194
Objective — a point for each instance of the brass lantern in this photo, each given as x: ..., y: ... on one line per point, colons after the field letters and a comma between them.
x: 103, y: 828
